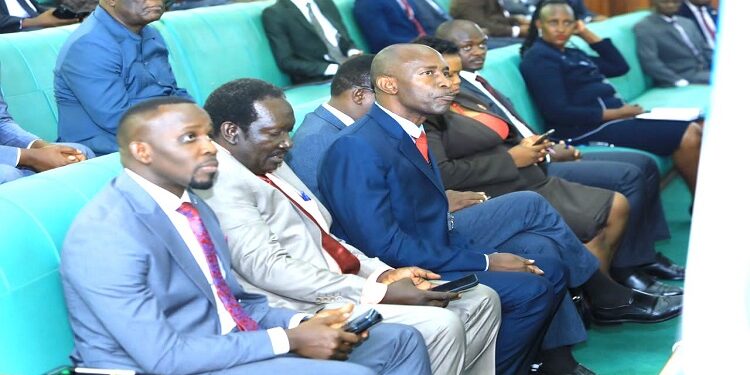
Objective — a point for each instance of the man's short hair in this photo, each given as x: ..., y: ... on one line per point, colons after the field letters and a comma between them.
x: 355, y: 72
x: 235, y: 102
x: 143, y: 108
x: 445, y: 47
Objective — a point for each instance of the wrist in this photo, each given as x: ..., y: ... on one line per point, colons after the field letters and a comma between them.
x: 291, y: 335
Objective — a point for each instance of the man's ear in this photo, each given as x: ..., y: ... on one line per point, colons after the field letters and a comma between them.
x: 387, y: 85
x: 358, y: 95
x: 141, y: 151
x: 229, y: 132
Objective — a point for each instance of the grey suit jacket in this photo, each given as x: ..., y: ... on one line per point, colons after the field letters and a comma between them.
x: 276, y: 248
x: 138, y: 300
x: 665, y: 57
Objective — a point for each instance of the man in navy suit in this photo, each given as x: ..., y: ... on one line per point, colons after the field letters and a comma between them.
x: 386, y: 22
x: 23, y: 154
x: 147, y: 281
x: 705, y: 17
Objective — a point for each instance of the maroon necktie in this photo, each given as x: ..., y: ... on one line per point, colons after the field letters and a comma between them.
x: 343, y: 257
x: 244, y: 322
x: 489, y: 88
x: 412, y: 17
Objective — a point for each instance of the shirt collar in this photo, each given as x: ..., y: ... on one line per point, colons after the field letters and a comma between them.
x: 166, y: 200
x: 343, y: 117
x: 668, y: 19
x: 412, y: 129
x: 118, y: 30
x: 467, y: 75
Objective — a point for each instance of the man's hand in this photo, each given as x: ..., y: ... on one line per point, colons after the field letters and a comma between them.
x: 49, y: 156
x: 526, y: 153
x: 403, y: 292
x: 564, y: 152
x: 461, y: 199
x: 46, y: 19
x: 321, y: 337
x: 418, y: 276
x: 512, y: 263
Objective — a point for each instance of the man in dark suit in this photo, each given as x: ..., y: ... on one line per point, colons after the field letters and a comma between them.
x: 386, y: 22
x: 705, y: 17
x: 633, y: 174
x: 670, y: 47
x: 493, y: 19
x: 308, y: 38
x: 163, y: 300
x: 25, y: 15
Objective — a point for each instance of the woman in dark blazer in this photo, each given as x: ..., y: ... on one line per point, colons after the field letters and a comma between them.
x: 573, y: 94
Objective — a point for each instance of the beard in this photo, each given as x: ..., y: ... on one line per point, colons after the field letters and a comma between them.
x: 202, y: 183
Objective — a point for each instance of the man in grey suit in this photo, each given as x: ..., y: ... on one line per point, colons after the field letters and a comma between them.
x: 145, y: 271
x: 23, y: 154
x: 670, y: 47
x: 279, y: 238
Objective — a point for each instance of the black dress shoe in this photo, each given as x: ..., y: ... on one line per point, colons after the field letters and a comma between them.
x: 639, y: 280
x: 664, y: 268
x: 642, y: 308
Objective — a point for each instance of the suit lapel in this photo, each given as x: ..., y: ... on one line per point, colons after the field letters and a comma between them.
x: 295, y: 13
x: 152, y: 217
x: 329, y: 117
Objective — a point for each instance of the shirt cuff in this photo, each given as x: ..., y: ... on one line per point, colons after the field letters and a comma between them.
x: 353, y: 52
x: 516, y: 31
x: 487, y: 259
x: 373, y: 292
x: 279, y: 340
x: 681, y: 83
x: 331, y: 69
x: 297, y: 319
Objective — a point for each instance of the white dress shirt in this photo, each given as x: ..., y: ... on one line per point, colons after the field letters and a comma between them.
x: 343, y: 117
x: 16, y: 10
x: 169, y: 203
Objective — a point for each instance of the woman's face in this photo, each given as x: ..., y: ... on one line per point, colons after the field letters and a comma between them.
x: 556, y: 24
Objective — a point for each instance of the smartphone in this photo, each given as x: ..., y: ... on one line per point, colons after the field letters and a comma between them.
x: 544, y: 137
x: 363, y: 322
x: 459, y: 285
x: 64, y: 13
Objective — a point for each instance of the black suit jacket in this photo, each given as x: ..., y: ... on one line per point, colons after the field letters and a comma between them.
x: 298, y: 50
x: 473, y: 157
x: 10, y: 24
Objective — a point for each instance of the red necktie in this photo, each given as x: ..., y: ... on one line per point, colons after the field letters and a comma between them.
x: 493, y: 122
x: 343, y: 257
x: 244, y: 322
x: 421, y: 143
x: 412, y: 17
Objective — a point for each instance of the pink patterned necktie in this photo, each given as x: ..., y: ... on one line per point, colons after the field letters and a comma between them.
x: 244, y: 322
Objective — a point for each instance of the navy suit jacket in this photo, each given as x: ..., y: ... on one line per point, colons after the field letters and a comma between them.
x: 137, y: 298
x: 311, y: 141
x: 387, y: 201
x: 384, y: 22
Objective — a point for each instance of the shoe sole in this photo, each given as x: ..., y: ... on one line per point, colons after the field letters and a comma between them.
x: 620, y: 321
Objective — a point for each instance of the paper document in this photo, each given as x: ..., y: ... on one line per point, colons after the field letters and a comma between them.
x: 675, y: 114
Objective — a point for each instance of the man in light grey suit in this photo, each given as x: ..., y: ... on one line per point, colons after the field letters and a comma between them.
x: 145, y: 274
x: 279, y: 238
x: 670, y: 47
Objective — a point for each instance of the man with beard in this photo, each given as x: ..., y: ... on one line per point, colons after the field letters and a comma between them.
x: 145, y: 271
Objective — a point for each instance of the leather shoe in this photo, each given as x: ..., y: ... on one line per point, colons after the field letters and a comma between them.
x: 664, y: 268
x: 641, y: 308
x: 639, y: 280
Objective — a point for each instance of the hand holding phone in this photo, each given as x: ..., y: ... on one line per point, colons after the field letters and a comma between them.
x: 544, y: 137
x: 459, y: 285
x: 363, y: 322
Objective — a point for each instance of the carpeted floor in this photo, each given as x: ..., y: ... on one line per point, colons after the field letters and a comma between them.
x: 643, y: 349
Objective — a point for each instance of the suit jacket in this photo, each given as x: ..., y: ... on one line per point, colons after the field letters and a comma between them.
x: 296, y: 46
x: 11, y: 24
x: 473, y: 157
x: 387, y: 201
x: 311, y: 141
x: 488, y: 14
x: 665, y: 56
x: 12, y: 136
x: 137, y: 299
x: 384, y: 22
x: 687, y: 13
x: 275, y: 247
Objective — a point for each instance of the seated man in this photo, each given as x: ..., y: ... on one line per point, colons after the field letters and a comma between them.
x: 308, y: 38
x: 279, y: 239
x: 493, y: 19
x: 386, y: 22
x: 526, y: 8
x: 670, y: 48
x: 632, y: 174
x: 705, y: 17
x: 23, y: 154
x: 162, y: 299
x: 112, y: 61
x: 27, y: 15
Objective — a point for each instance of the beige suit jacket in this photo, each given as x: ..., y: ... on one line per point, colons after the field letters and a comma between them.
x: 276, y: 249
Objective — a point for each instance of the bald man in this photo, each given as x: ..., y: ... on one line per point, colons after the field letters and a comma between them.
x: 388, y: 200
x: 145, y: 272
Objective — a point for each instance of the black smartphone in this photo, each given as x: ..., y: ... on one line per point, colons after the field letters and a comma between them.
x: 64, y: 13
x: 544, y: 137
x: 363, y: 322
x: 459, y: 285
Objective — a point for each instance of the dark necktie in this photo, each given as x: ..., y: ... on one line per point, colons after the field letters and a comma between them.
x: 334, y: 52
x: 343, y: 257
x: 489, y: 88
x: 244, y: 322
x: 412, y: 17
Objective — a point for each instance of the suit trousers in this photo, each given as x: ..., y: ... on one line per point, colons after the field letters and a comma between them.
x: 637, y: 177
x: 391, y: 349
x: 524, y: 223
x: 9, y: 173
x: 460, y: 338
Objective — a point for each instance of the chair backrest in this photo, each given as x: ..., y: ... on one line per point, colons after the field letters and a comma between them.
x: 346, y: 8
